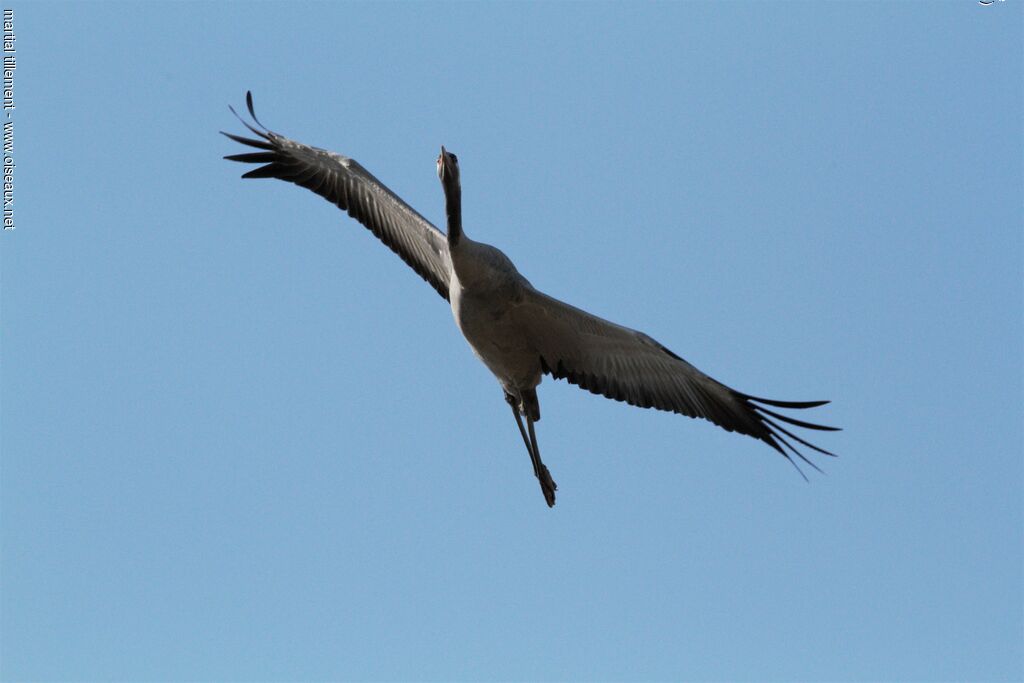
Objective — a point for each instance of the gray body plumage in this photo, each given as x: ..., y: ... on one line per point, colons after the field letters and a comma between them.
x: 485, y: 290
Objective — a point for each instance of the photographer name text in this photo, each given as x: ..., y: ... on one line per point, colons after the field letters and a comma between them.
x: 9, y: 64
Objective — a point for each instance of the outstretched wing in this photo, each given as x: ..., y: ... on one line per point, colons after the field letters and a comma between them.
x: 345, y: 182
x: 629, y: 366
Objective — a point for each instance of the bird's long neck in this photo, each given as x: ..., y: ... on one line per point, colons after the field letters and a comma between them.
x: 453, y: 209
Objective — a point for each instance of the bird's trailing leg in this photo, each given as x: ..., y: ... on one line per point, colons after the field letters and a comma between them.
x: 547, y: 484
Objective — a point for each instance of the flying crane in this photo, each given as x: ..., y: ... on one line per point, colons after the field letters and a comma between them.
x: 518, y: 332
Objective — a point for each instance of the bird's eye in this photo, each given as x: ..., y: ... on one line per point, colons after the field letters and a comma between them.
x: 454, y: 158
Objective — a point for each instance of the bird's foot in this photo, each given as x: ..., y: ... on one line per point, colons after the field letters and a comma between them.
x: 547, y: 485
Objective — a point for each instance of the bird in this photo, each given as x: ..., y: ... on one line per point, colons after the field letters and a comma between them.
x: 517, y: 331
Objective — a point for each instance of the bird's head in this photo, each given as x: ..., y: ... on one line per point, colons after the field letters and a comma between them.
x: 448, y: 167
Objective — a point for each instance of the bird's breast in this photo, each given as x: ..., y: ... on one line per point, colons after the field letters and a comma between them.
x: 487, y: 321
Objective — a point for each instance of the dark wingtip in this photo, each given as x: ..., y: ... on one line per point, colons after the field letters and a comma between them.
x: 249, y: 125
x: 268, y: 171
x: 799, y: 404
x: 253, y: 157
x: 781, y: 439
x: 266, y: 133
x: 773, y: 426
x: 798, y: 423
x: 252, y: 110
x: 796, y: 466
x: 249, y: 141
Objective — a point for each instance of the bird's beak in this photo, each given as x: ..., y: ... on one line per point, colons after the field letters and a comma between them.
x: 443, y: 163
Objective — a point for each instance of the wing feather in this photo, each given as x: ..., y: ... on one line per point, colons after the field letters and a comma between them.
x: 344, y: 182
x: 627, y: 365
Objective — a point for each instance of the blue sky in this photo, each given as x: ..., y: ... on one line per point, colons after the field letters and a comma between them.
x: 242, y: 441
